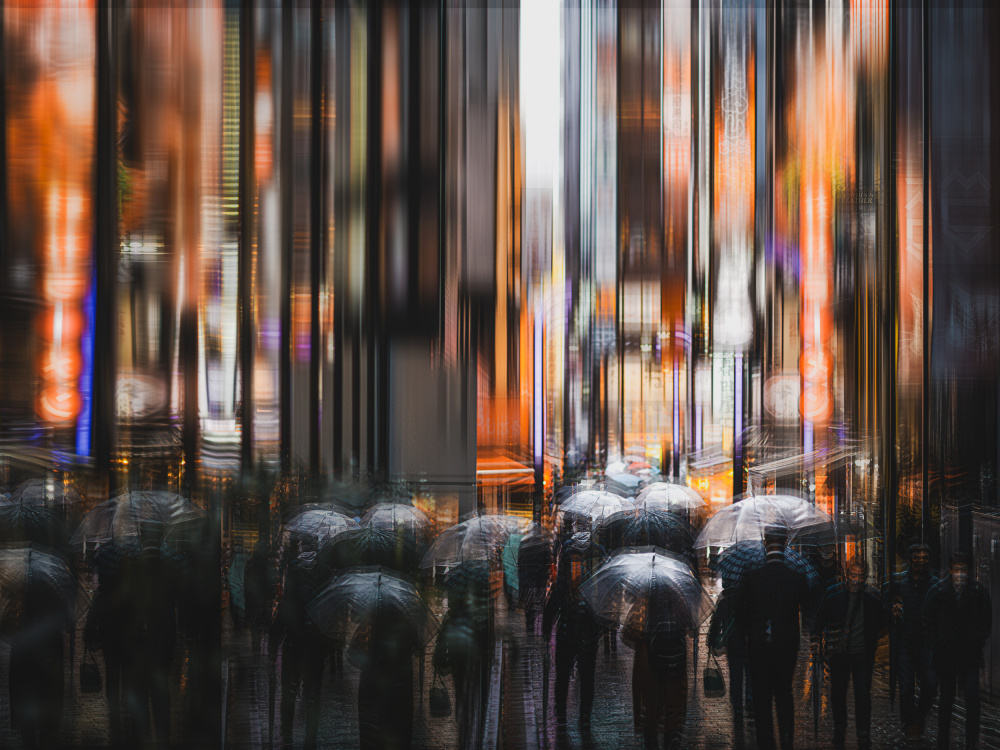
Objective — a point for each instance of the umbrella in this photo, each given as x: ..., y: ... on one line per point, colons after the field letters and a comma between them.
x: 399, y: 518
x: 670, y: 496
x: 593, y: 505
x: 656, y: 528
x: 312, y: 528
x: 123, y: 517
x: 661, y: 584
x: 369, y: 545
x: 31, y: 570
x: 63, y: 501
x: 479, y: 539
x: 631, y: 481
x: 357, y: 596
x: 747, y: 519
x: 750, y: 554
x: 22, y: 521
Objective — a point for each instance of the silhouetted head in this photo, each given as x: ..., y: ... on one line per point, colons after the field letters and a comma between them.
x: 151, y: 537
x: 856, y: 575
x: 775, y: 538
x: 919, y: 556
x: 959, y: 568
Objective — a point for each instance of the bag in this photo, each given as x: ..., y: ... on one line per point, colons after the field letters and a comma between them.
x: 438, y: 700
x: 714, y: 683
x: 90, y: 674
x: 835, y: 641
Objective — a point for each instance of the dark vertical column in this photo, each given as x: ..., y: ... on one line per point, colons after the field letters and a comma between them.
x: 247, y: 209
x: 374, y: 335
x: 3, y: 140
x: 285, y: 185
x: 316, y: 232
x: 925, y: 507
x: 106, y: 240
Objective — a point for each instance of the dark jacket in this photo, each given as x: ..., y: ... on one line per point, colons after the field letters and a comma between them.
x: 833, y: 611
x: 957, y: 627
x: 769, y: 601
x: 725, y: 632
x: 909, y: 629
x: 565, y: 606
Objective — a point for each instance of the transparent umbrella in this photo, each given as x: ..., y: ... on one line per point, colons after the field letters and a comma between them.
x: 670, y: 496
x: 748, y: 518
x: 399, y: 518
x: 655, y: 528
x: 649, y: 578
x: 594, y: 505
x: 479, y: 539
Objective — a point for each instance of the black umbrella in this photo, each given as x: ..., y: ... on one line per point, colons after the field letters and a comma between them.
x: 654, y: 528
x: 370, y: 545
x: 22, y: 521
x: 32, y: 571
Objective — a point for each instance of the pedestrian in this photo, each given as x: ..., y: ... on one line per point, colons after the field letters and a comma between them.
x: 904, y: 601
x: 384, y: 650
x: 149, y: 635
x: 577, y: 633
x: 462, y: 651
x: 534, y: 565
x: 36, y: 674
x: 847, y: 627
x: 725, y: 633
x: 958, y: 619
x: 659, y: 674
x: 258, y: 587
x: 303, y: 649
x: 769, y: 602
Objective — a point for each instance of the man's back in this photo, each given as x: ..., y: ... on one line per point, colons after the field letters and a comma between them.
x: 769, y: 600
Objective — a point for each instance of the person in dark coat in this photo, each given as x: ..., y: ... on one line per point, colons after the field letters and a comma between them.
x: 958, y: 619
x: 725, y: 633
x: 385, y: 649
x: 904, y: 602
x: 303, y: 649
x: 35, y: 679
x: 828, y: 567
x: 577, y: 632
x: 659, y: 674
x: 258, y: 593
x: 847, y: 625
x: 769, y: 602
x: 149, y: 634
x: 534, y: 563
x: 462, y: 651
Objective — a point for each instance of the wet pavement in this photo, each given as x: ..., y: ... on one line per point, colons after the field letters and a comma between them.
x: 519, y: 715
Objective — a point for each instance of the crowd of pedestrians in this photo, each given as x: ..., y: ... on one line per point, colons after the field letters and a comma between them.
x: 377, y: 585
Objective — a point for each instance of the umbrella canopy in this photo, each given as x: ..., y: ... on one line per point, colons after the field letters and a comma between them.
x: 358, y: 596
x: 398, y: 518
x: 49, y: 494
x: 670, y: 496
x: 747, y: 519
x: 318, y: 524
x: 594, y: 505
x: 661, y: 585
x: 30, y: 572
x: 747, y: 555
x: 368, y: 545
x: 655, y: 528
x: 479, y: 539
x: 625, y: 479
x: 123, y: 517
x: 22, y: 521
